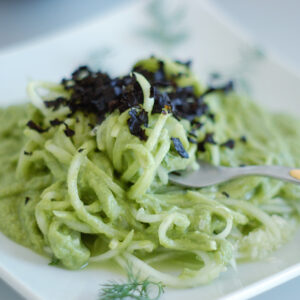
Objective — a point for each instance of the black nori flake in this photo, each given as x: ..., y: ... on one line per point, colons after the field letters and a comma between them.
x: 184, y: 103
x: 243, y: 139
x: 196, y: 124
x: 208, y: 139
x: 27, y: 153
x: 229, y: 144
x: 32, y: 125
x: 159, y: 75
x: 226, y: 88
x: 136, y: 121
x: 26, y: 200
x: 201, y: 110
x: 143, y: 117
x: 157, y: 78
x: 191, y: 140
x: 226, y: 194
x: 68, y: 131
x: 55, y: 122
x: 161, y: 100
x: 152, y: 91
x: 211, y: 117
x: 55, y: 104
x: 80, y: 150
x: 179, y: 147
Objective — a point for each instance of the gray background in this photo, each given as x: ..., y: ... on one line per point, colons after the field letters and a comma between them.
x: 274, y: 24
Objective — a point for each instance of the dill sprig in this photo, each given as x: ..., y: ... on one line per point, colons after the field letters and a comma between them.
x: 134, y: 288
x: 54, y: 261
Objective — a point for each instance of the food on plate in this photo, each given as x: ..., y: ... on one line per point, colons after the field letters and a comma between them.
x: 85, y: 167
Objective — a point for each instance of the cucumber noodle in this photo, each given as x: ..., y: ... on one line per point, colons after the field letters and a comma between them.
x: 103, y: 193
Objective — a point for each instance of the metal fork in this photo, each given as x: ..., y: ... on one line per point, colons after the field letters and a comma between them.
x: 209, y: 174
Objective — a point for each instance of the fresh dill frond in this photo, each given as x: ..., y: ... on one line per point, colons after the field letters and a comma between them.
x: 134, y: 288
x: 54, y: 261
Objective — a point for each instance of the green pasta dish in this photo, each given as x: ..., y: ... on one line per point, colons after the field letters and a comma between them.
x: 85, y: 167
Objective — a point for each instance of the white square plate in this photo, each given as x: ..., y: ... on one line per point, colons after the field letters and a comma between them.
x: 113, y: 43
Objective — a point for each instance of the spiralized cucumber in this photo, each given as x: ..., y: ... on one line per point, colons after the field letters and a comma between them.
x: 103, y: 193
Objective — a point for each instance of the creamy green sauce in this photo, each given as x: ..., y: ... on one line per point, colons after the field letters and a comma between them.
x: 17, y: 199
x: 12, y: 121
x: 104, y: 194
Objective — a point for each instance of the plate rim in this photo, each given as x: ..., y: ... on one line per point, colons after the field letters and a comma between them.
x: 213, y: 10
x: 265, y: 284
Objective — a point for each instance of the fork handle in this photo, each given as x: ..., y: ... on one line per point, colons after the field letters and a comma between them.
x: 283, y: 173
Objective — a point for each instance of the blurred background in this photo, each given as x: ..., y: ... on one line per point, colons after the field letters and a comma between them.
x: 273, y: 24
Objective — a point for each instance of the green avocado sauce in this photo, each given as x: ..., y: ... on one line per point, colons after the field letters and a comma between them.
x: 87, y: 190
x: 16, y: 204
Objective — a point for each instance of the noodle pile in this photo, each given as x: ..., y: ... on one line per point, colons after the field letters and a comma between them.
x: 81, y: 190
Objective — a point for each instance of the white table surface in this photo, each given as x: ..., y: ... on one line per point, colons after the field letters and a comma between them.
x: 274, y: 24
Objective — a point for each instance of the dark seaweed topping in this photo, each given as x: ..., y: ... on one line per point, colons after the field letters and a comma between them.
x: 56, y: 122
x: 160, y: 76
x: 152, y: 91
x: 226, y: 194
x: 97, y: 93
x: 196, y: 124
x: 243, y: 139
x: 26, y: 200
x: 68, y: 131
x: 226, y: 88
x: 179, y: 147
x: 242, y: 165
x: 27, y: 153
x: 80, y: 150
x: 229, y: 144
x: 157, y: 78
x: 211, y: 116
x: 161, y: 100
x: 136, y: 121
x: 191, y: 140
x: 184, y: 103
x: 55, y: 104
x: 32, y: 125
x: 208, y: 139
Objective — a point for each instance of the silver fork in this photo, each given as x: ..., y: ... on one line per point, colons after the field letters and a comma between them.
x: 209, y: 174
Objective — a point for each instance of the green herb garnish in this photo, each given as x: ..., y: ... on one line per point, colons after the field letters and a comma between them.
x: 133, y: 289
x: 54, y: 261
